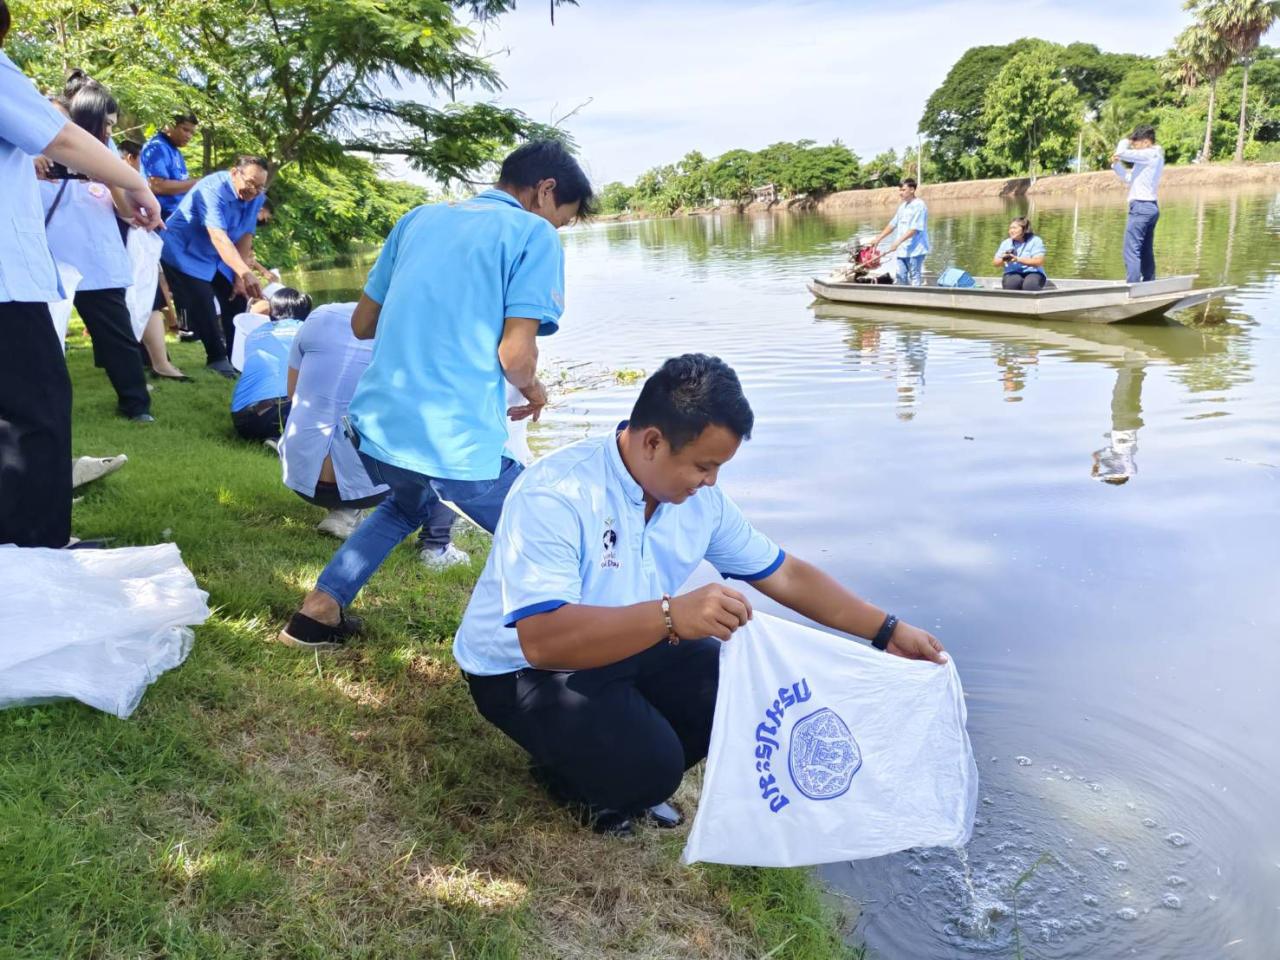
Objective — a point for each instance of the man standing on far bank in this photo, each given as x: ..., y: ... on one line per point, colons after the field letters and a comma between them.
x: 1147, y: 159
x: 910, y: 229
x: 454, y: 305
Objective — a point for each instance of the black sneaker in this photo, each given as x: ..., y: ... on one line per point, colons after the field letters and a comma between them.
x: 224, y: 368
x: 302, y: 631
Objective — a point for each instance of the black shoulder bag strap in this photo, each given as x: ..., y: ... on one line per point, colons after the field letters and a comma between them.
x: 53, y: 207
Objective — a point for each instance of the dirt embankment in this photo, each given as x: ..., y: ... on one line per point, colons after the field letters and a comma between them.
x: 1065, y: 184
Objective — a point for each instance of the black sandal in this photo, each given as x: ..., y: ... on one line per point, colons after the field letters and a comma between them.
x: 308, y: 634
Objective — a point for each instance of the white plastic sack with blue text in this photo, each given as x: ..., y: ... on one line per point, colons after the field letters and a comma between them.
x: 826, y: 749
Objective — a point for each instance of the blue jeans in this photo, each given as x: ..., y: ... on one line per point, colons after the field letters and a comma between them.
x: 410, y: 505
x: 1140, y: 241
x: 911, y: 271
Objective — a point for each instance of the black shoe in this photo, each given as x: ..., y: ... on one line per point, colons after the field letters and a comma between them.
x: 165, y: 376
x: 612, y: 823
x: 186, y: 336
x: 223, y: 367
x: 302, y: 631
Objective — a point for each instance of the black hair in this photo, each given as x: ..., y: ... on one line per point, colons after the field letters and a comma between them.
x: 1143, y: 132
x: 91, y: 106
x: 185, y: 118
x: 1027, y: 232
x: 690, y: 393
x: 250, y: 160
x: 4, y: 21
x: 909, y: 182
x: 290, y: 304
x: 538, y: 160
x: 76, y: 79
x: 130, y: 148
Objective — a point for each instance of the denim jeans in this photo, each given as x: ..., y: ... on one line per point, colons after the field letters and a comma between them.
x: 1139, y: 241
x: 410, y: 505
x: 911, y: 271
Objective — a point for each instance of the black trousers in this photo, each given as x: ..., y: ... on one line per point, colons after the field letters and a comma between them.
x: 35, y: 429
x: 329, y: 496
x: 194, y: 297
x: 1023, y: 281
x: 229, y: 307
x: 106, y: 316
x: 263, y: 420
x: 620, y: 736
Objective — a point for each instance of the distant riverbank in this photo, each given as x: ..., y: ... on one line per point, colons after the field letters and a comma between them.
x: 1097, y: 182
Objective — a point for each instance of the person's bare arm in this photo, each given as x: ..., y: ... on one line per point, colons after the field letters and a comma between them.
x: 230, y: 255
x: 364, y: 321
x: 74, y: 147
x: 808, y: 591
x: 518, y: 354
x: 162, y: 187
x: 579, y: 637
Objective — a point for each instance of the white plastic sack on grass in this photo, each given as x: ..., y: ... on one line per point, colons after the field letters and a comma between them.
x: 60, y: 310
x: 826, y: 749
x: 93, y: 625
x: 144, y: 253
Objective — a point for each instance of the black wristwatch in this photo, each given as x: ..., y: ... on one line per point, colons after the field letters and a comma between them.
x: 881, y: 640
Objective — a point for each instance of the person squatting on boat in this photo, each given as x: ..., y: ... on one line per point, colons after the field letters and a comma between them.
x: 577, y: 643
x: 1022, y: 256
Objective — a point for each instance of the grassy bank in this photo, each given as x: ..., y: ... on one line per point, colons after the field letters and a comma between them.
x: 267, y: 803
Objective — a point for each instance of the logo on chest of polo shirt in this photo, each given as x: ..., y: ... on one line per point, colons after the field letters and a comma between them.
x: 609, y: 558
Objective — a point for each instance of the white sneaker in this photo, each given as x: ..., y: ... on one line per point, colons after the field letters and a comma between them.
x: 341, y: 523
x: 87, y: 469
x: 272, y: 445
x: 438, y: 558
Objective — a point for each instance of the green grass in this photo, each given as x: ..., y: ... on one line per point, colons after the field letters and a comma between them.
x: 267, y: 803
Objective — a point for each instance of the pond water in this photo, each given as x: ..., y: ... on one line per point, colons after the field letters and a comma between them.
x: 1117, y: 640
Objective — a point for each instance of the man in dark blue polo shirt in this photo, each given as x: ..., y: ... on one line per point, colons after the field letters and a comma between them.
x: 164, y: 166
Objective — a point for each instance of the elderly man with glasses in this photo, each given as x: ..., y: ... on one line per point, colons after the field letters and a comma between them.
x: 213, y: 225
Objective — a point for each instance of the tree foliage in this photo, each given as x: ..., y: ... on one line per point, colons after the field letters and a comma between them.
x: 1032, y: 114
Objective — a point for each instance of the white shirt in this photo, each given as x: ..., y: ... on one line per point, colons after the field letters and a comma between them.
x: 573, y: 531
x: 1144, y: 177
x: 83, y: 233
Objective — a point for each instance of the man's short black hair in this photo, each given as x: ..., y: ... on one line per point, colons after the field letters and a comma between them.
x: 538, y: 160
x: 690, y: 393
x: 4, y: 21
x: 909, y: 182
x: 130, y: 148
x: 250, y: 160
x: 180, y: 118
x: 290, y: 304
x: 1144, y: 132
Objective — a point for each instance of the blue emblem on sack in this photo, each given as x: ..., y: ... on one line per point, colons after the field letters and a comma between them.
x: 824, y: 756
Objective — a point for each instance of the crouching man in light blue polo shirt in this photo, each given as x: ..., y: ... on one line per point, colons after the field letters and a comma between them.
x: 574, y: 643
x: 454, y: 306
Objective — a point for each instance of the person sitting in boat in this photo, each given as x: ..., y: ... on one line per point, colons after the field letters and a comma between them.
x: 1022, y: 256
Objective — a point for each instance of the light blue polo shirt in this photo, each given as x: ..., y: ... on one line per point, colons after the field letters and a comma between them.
x: 210, y: 203
x: 912, y: 215
x: 266, y: 364
x: 573, y: 531
x: 434, y: 398
x: 83, y: 233
x: 1032, y: 247
x: 160, y: 158
x: 28, y: 124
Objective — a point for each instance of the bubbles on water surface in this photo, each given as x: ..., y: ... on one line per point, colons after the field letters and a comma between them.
x: 1176, y: 839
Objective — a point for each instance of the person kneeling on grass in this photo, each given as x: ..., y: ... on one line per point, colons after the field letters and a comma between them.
x: 260, y: 404
x: 1022, y: 256
x: 576, y: 644
x: 320, y: 463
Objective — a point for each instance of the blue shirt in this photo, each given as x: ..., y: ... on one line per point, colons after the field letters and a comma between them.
x: 573, y: 531
x: 433, y: 399
x: 211, y: 203
x: 1032, y: 247
x: 1144, y: 177
x: 83, y: 233
x: 160, y: 158
x: 28, y: 124
x: 266, y: 364
x: 330, y: 361
x: 911, y: 215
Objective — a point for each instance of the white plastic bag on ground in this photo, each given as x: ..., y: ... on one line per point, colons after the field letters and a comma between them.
x: 94, y: 625
x: 825, y: 749
x: 144, y: 253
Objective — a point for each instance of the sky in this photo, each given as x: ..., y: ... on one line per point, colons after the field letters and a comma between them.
x: 664, y: 77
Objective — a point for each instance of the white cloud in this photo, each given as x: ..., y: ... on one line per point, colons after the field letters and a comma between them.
x: 667, y: 77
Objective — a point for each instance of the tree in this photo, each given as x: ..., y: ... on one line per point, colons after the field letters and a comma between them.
x: 1032, y: 114
x: 1240, y: 25
x: 616, y: 197
x: 1198, y: 55
x: 952, y: 118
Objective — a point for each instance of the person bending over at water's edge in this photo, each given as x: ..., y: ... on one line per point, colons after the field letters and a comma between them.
x: 577, y: 642
x: 1022, y: 256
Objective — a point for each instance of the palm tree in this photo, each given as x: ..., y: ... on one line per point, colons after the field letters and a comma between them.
x: 1199, y: 55
x: 1240, y: 24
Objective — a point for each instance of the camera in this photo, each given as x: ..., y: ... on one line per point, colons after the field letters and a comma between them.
x: 59, y: 171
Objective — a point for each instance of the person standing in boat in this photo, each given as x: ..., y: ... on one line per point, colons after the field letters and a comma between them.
x: 910, y: 229
x: 1146, y: 159
x: 1022, y: 256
